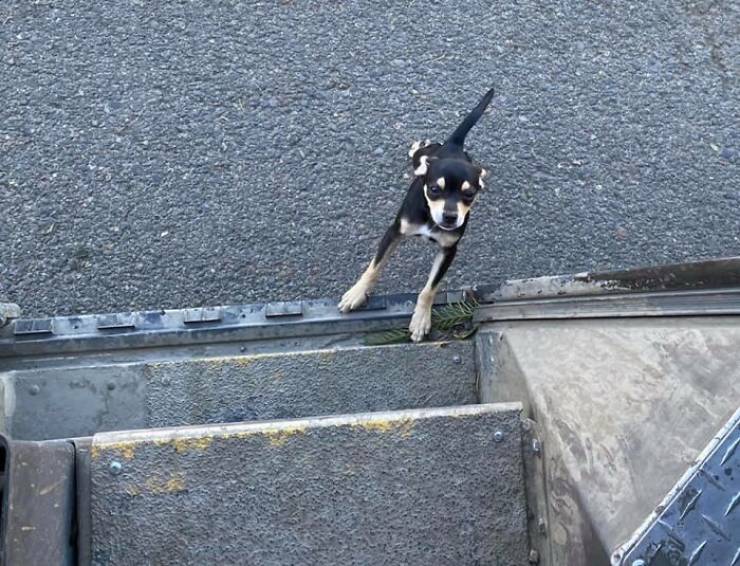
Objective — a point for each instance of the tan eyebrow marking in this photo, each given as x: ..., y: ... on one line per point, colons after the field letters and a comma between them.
x: 441, y: 182
x: 465, y: 186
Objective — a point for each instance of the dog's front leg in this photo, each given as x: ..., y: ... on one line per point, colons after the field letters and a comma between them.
x: 421, y: 321
x: 357, y: 294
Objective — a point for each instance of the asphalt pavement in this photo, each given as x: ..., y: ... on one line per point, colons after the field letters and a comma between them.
x: 172, y: 154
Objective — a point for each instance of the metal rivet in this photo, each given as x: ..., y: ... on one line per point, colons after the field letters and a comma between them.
x: 34, y: 390
x: 498, y: 436
x: 456, y: 359
x: 115, y: 468
x: 111, y: 386
x: 243, y: 349
x: 534, y: 557
x: 542, y: 526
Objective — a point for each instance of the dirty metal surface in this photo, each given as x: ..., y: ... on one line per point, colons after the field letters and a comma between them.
x: 708, y: 274
x: 38, y: 505
x: 625, y: 406
x: 700, y: 518
x: 62, y: 402
x: 419, y: 487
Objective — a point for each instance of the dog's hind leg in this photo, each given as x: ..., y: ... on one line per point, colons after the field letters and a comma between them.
x: 421, y: 321
x: 357, y: 294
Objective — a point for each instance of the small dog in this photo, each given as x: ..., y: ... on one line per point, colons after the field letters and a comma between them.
x: 446, y: 183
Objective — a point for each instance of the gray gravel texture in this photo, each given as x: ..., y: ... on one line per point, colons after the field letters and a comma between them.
x: 164, y: 154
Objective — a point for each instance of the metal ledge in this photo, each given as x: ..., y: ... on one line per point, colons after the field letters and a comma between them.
x: 705, y: 274
x: 145, y: 329
x: 709, y: 287
x: 627, y: 305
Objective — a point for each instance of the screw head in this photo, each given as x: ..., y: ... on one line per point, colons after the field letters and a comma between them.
x: 34, y: 390
x: 115, y: 467
x: 534, y: 557
x: 456, y: 359
x: 498, y: 436
x: 111, y: 386
x: 536, y: 447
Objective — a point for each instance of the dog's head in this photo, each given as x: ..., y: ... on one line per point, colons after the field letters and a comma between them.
x: 450, y: 188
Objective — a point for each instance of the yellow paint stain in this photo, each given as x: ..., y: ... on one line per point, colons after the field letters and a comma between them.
x: 126, y: 450
x: 403, y: 427
x: 185, y: 445
x: 281, y: 436
x: 157, y: 486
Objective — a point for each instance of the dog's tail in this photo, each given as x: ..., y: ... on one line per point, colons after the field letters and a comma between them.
x: 458, y: 136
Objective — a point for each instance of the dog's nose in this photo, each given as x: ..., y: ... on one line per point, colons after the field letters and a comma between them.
x: 449, y: 218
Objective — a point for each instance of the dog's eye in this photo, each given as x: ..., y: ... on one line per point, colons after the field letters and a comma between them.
x: 468, y: 196
x: 434, y: 190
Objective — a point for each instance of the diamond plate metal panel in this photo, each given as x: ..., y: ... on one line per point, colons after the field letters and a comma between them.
x: 700, y: 520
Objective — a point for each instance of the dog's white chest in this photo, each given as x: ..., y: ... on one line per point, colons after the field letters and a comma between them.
x: 444, y: 239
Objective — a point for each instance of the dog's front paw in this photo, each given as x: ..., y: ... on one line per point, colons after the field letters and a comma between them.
x: 354, y: 298
x: 421, y: 323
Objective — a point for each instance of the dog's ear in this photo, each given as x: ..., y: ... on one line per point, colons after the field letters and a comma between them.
x: 423, y: 167
x: 481, y: 175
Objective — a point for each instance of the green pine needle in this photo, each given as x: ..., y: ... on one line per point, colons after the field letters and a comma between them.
x: 447, y: 319
x: 455, y: 314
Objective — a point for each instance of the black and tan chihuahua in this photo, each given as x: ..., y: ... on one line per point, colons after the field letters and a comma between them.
x: 446, y: 183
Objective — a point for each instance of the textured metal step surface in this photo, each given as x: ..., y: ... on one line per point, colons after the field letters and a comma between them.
x: 80, y: 401
x: 429, y: 486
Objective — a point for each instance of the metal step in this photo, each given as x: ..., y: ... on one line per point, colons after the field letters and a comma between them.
x: 65, y: 402
x: 418, y: 487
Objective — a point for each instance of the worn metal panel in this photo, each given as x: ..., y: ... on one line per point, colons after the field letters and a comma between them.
x: 306, y: 384
x: 430, y: 486
x: 38, y: 503
x: 699, y: 521
x: 79, y: 401
x: 55, y: 403
x: 625, y: 406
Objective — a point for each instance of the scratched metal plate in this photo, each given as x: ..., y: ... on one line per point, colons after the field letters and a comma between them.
x: 700, y: 524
